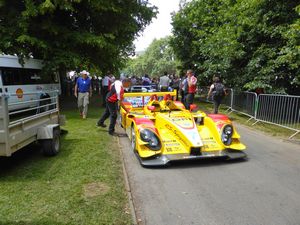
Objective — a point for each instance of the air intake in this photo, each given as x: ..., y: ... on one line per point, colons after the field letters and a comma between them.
x: 195, y: 151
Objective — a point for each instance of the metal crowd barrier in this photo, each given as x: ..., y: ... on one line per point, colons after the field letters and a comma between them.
x: 276, y: 109
x: 281, y: 110
x: 245, y: 103
x: 228, y: 98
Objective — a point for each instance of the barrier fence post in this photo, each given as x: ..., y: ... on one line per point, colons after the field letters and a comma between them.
x: 256, y: 107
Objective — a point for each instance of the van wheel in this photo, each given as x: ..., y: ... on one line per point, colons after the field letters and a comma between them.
x: 50, y: 147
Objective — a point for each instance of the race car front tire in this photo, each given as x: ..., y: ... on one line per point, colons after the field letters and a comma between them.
x: 133, y: 139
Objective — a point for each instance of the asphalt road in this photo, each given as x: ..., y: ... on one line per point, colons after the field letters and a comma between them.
x: 265, y: 189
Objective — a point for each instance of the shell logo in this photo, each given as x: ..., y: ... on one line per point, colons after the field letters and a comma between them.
x: 19, y: 93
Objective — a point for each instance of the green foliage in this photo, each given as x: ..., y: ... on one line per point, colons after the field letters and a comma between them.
x: 158, y: 57
x: 244, y: 41
x: 258, y: 83
x: 95, y: 34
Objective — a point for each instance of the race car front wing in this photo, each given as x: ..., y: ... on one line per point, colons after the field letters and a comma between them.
x: 161, y: 160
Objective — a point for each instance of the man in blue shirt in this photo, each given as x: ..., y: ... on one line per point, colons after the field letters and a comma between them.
x: 83, y: 90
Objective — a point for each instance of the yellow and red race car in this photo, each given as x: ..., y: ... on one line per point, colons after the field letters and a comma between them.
x: 161, y: 130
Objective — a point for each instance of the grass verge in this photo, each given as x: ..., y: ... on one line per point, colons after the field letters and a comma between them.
x: 83, y: 184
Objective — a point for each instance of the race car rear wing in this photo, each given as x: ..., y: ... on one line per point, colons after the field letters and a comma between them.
x: 139, y: 99
x: 141, y: 94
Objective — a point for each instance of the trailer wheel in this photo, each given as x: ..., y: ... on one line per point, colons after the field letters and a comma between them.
x: 50, y: 147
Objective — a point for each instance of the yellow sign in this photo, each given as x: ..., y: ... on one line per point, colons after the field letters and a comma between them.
x: 19, y: 93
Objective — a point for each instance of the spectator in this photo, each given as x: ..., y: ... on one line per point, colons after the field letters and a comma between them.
x: 122, y: 77
x: 217, y: 91
x: 133, y: 80
x: 112, y: 78
x: 83, y: 91
x: 100, y: 85
x: 146, y: 80
x: 69, y: 87
x: 191, y: 81
x: 114, y: 95
x: 183, y: 87
x: 164, y: 82
x: 126, y: 83
x: 97, y: 85
x: 106, y: 82
x: 94, y: 81
x: 175, y: 85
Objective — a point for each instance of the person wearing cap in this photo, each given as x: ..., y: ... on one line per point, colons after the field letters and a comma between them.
x: 115, y: 94
x: 83, y: 91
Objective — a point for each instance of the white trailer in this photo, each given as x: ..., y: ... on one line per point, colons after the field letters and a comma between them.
x: 21, y: 127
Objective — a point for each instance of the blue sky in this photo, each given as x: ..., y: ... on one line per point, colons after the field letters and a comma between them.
x: 161, y: 26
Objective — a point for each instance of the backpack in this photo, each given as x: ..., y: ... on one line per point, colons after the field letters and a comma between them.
x: 218, y: 90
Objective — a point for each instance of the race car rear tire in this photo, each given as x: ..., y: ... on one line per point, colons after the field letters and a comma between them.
x: 133, y: 139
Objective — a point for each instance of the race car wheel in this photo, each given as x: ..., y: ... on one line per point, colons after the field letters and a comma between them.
x: 133, y: 139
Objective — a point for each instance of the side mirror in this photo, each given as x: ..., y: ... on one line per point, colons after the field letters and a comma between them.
x: 151, y: 107
x: 193, y: 107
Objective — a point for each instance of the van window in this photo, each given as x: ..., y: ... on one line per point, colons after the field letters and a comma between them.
x: 21, y: 76
x: 11, y: 76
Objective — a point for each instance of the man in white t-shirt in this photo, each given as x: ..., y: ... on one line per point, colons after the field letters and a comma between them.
x: 164, y: 82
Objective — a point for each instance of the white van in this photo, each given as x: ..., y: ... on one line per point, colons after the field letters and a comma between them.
x: 26, y: 82
x: 29, y: 110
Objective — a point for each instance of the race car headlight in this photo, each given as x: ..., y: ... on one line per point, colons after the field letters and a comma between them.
x: 151, y: 138
x: 228, y: 130
x: 226, y: 135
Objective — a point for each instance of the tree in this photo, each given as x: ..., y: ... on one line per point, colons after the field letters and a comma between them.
x: 158, y: 58
x: 249, y: 43
x: 94, y: 34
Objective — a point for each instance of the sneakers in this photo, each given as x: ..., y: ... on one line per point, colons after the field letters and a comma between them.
x: 100, y: 125
x: 111, y: 133
x: 83, y: 116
